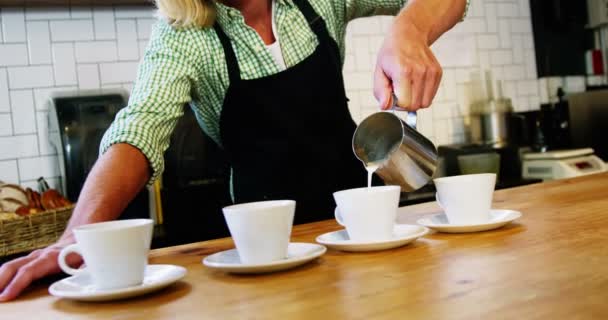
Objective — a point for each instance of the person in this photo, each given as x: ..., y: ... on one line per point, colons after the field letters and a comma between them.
x: 264, y: 80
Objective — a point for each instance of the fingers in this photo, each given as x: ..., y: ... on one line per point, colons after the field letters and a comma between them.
x: 383, y: 90
x: 418, y: 75
x: 402, y: 87
x: 18, y: 274
x: 433, y: 79
x: 9, y: 269
x: 417, y: 82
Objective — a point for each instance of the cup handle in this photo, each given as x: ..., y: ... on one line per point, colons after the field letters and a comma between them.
x: 73, y: 248
x: 438, y: 201
x: 339, y: 216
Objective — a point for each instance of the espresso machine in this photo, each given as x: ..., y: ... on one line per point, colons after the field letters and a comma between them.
x: 495, y: 145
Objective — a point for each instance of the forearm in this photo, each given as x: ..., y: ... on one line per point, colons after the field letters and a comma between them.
x: 430, y: 17
x: 116, y: 178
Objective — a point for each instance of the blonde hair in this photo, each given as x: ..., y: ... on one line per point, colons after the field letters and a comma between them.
x: 187, y: 13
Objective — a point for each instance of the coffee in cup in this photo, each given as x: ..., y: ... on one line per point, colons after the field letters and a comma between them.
x: 115, y: 253
x: 368, y: 214
x: 466, y: 199
x: 261, y: 230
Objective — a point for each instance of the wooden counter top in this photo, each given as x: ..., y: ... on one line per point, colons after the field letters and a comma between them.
x: 552, y: 263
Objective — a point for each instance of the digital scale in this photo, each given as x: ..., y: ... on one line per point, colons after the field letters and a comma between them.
x: 560, y: 164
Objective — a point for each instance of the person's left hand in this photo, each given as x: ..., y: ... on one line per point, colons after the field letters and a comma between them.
x: 407, y: 67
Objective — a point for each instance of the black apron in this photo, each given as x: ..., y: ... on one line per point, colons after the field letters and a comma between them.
x: 289, y: 135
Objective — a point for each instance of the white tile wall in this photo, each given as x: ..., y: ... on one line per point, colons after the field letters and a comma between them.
x: 43, y: 50
x: 4, y: 101
x: 9, y: 170
x: 144, y: 27
x: 496, y: 35
x: 30, y: 77
x: 6, y: 124
x: 71, y: 30
x: 81, y: 13
x: 13, y: 25
x: 133, y: 12
x: 103, y: 18
x: 13, y: 54
x: 47, y: 49
x: 15, y: 147
x: 64, y: 64
x: 96, y: 51
x: 117, y: 72
x: 46, y: 13
x: 22, y: 109
x: 32, y: 168
x: 88, y: 76
x: 126, y: 31
x: 46, y: 148
x: 39, y: 42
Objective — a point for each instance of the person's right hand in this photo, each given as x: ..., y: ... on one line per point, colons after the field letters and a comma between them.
x: 18, y: 274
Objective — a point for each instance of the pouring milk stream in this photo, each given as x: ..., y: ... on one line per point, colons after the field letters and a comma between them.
x: 392, y: 148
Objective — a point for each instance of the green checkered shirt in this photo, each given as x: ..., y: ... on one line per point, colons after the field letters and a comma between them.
x: 187, y: 66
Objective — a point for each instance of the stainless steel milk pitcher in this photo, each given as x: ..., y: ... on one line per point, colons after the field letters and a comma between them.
x: 405, y: 157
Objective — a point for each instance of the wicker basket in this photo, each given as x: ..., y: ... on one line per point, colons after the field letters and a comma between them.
x: 33, y: 231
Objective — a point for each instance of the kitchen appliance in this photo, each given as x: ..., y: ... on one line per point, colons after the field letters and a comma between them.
x: 509, y: 171
x: 405, y: 157
x: 555, y: 119
x: 76, y: 124
x: 490, y: 116
x: 490, y: 122
x: 561, y: 164
x: 588, y: 119
x: 195, y: 183
x: 544, y: 129
x: 479, y: 163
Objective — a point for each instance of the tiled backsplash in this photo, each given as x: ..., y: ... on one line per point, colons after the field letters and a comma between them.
x: 48, y: 49
x: 496, y: 35
x: 42, y: 50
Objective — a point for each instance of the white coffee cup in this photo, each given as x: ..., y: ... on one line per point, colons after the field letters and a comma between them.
x: 466, y: 199
x: 115, y: 253
x: 261, y: 230
x: 368, y: 214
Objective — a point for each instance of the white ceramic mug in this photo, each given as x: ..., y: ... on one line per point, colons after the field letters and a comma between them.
x: 261, y: 230
x: 115, y: 253
x: 368, y: 214
x: 466, y: 199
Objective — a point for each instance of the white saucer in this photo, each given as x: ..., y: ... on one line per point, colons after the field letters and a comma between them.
x: 403, y: 234
x: 499, y: 218
x: 80, y: 287
x: 297, y: 254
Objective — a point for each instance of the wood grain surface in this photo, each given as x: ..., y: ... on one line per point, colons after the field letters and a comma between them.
x: 551, y: 264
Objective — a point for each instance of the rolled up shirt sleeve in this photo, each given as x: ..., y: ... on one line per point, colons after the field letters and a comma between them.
x: 366, y: 8
x: 161, y: 90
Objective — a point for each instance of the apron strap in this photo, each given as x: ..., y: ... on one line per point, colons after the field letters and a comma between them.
x: 234, y: 74
x: 315, y: 21
x: 318, y: 26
